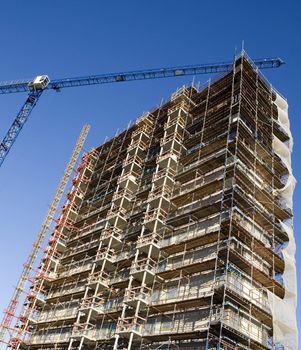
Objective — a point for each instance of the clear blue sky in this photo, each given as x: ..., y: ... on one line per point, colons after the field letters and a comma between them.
x: 71, y: 38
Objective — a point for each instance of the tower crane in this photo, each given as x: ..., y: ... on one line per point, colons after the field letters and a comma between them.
x: 34, y: 88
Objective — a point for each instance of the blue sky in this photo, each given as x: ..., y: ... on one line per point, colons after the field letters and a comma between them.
x: 72, y: 38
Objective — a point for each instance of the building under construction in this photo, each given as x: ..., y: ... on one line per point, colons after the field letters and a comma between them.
x: 177, y: 232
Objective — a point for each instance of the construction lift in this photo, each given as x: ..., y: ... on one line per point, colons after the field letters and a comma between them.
x: 34, y: 88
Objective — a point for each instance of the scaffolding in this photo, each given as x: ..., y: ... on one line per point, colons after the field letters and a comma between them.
x: 176, y: 230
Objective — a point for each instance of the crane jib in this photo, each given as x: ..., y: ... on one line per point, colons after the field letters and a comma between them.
x: 39, y: 84
x: 57, y: 84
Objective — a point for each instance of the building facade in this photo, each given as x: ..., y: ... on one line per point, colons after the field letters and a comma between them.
x: 175, y: 231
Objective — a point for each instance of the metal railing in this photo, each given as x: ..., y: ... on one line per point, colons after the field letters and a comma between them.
x: 142, y: 293
x: 129, y: 324
x: 99, y: 277
x: 78, y: 267
x: 155, y: 214
x: 151, y: 238
x: 106, y: 254
x: 50, y: 337
x: 146, y: 264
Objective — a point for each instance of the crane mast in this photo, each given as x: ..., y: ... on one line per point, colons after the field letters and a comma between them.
x: 18, y: 124
x: 28, y: 266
